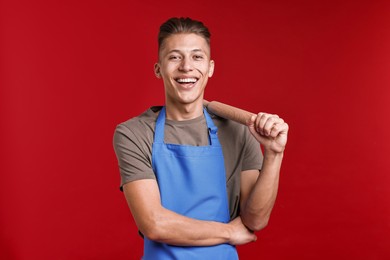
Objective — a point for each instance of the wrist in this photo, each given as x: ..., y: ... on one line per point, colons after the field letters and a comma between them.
x: 228, y: 234
x: 271, y: 155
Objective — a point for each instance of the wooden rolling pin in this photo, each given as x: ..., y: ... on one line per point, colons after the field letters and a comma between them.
x: 228, y: 112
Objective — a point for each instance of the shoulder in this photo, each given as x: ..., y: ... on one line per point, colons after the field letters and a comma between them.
x: 132, y: 143
x: 138, y: 129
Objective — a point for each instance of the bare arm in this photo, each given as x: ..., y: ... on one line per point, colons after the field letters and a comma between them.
x: 162, y: 225
x: 259, y: 189
x: 258, y: 194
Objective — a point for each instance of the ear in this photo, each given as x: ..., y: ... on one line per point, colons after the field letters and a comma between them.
x: 157, y: 70
x: 211, y: 68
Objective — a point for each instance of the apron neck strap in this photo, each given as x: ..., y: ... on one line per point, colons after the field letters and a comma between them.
x: 160, y: 125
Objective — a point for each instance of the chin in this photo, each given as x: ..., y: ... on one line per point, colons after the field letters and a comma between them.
x: 189, y: 100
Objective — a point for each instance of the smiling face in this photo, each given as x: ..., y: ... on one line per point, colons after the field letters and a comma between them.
x: 185, y: 66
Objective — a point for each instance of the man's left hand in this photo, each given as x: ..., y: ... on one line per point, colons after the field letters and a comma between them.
x: 270, y: 131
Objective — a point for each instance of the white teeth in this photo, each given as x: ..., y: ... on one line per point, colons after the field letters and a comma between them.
x: 189, y: 80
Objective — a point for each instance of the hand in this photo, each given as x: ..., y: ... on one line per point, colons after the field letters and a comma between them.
x: 270, y: 131
x: 239, y: 233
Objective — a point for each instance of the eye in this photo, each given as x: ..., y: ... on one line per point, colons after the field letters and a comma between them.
x: 174, y: 57
x: 198, y: 57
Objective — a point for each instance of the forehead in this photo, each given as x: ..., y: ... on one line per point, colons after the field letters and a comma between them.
x: 185, y: 42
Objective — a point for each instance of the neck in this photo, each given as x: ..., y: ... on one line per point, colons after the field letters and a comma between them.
x: 180, y: 112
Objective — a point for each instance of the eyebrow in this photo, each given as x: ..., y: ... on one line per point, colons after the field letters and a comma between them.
x: 194, y: 50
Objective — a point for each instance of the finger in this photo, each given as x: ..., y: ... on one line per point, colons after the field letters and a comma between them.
x: 253, y: 235
x: 260, y: 138
x: 251, y: 124
x: 270, y: 123
x: 278, y: 128
x: 257, y: 120
x: 260, y: 122
x: 251, y: 121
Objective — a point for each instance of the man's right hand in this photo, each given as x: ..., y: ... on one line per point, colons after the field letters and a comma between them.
x: 240, y: 234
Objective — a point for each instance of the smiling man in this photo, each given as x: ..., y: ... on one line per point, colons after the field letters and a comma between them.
x: 197, y: 185
x: 185, y: 66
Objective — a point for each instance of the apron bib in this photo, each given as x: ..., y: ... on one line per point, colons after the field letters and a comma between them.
x: 192, y: 183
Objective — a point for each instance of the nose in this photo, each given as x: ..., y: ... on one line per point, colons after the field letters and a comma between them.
x: 186, y: 65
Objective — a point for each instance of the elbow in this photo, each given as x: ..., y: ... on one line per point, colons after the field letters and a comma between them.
x: 152, y: 235
x: 256, y: 224
x: 152, y: 232
x: 149, y: 233
x: 153, y: 229
x: 259, y: 225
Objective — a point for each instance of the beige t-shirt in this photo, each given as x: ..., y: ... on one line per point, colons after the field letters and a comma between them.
x: 133, y: 141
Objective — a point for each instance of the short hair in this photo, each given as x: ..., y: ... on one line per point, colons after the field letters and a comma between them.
x: 182, y: 25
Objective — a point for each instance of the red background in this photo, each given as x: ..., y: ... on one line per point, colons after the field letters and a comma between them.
x: 72, y: 70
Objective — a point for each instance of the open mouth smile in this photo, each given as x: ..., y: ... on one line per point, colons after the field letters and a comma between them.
x: 186, y: 81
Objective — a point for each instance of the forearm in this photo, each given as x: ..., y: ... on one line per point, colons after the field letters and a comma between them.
x: 174, y: 229
x: 257, y: 208
x: 162, y: 225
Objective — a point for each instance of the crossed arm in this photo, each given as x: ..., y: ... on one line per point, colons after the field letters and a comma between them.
x: 258, y: 194
x: 165, y: 226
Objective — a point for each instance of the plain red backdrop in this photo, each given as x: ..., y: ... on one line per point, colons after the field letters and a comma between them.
x: 70, y: 71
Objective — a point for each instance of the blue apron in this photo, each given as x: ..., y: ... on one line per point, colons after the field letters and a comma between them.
x: 192, y: 183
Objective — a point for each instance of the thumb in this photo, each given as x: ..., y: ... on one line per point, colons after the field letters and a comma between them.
x: 252, y: 129
x: 251, y: 121
x: 251, y: 124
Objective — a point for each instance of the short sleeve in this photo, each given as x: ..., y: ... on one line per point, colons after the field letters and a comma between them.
x: 133, y: 155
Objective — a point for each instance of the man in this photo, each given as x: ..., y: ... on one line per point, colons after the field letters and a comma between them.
x: 196, y: 184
